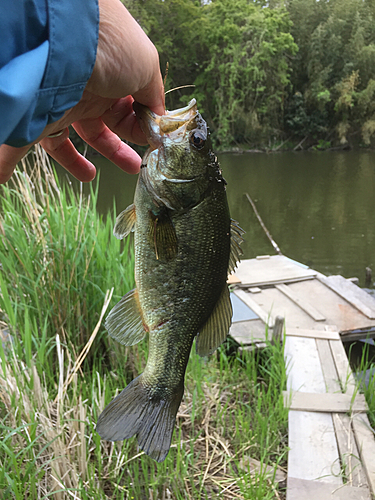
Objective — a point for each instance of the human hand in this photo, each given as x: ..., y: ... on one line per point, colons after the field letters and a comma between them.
x: 126, y: 69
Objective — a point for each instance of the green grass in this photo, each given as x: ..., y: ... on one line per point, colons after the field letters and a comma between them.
x: 362, y: 364
x: 58, y: 260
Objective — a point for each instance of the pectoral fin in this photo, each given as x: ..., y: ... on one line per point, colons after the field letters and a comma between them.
x: 236, y: 239
x: 216, y: 329
x: 163, y: 236
x: 125, y: 222
x: 124, y: 322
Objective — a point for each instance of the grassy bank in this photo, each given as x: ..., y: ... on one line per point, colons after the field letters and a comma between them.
x: 362, y: 362
x: 59, y: 264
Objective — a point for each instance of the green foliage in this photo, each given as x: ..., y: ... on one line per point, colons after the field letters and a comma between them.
x: 237, y: 54
x: 54, y: 254
x: 248, y: 71
x: 263, y: 70
x: 335, y: 64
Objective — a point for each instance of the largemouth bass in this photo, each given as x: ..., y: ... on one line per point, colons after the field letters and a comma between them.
x: 185, y: 245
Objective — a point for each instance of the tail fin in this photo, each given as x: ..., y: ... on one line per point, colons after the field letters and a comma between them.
x: 136, y: 412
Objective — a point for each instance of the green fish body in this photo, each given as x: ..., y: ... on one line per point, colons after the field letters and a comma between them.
x: 185, y: 245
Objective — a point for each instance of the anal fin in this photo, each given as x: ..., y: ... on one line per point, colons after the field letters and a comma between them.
x: 216, y: 329
x: 124, y: 322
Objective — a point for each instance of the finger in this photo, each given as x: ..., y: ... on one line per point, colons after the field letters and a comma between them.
x: 153, y: 95
x: 9, y: 157
x: 121, y: 119
x: 101, y: 138
x: 62, y: 150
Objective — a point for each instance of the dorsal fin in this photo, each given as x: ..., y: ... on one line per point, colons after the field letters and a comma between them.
x: 215, y: 331
x: 236, y: 239
x: 125, y: 222
x: 124, y: 322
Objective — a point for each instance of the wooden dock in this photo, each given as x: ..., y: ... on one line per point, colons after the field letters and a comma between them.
x: 332, y: 446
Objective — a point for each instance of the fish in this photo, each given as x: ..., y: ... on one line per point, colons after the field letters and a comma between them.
x: 185, y: 245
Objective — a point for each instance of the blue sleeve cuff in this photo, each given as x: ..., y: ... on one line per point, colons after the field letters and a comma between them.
x: 38, y: 86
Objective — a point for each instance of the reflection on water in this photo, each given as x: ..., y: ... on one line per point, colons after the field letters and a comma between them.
x: 318, y: 206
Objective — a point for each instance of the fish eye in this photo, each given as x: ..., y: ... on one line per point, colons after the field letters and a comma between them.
x: 197, y: 139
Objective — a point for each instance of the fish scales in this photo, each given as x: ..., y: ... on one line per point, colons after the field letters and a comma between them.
x: 187, y: 284
x: 185, y: 245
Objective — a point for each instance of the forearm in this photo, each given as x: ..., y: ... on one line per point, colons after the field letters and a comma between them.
x: 47, y: 55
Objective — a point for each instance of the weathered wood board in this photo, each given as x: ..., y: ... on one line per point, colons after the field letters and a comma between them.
x: 271, y: 269
x: 300, y: 489
x: 301, y: 302
x: 245, y: 332
x: 332, y: 446
x: 255, y: 305
x: 326, y: 402
x: 351, y: 293
x: 303, y: 365
x: 312, y: 334
x: 313, y: 451
x: 271, y: 302
x: 364, y: 436
x: 337, y: 310
x: 348, y: 451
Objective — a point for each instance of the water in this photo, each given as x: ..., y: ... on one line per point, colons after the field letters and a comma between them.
x: 318, y: 206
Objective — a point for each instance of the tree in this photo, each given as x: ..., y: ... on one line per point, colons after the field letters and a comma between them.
x: 235, y: 52
x: 338, y: 67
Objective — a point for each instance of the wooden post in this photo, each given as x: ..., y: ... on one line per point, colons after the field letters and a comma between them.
x: 368, y: 276
x: 278, y: 329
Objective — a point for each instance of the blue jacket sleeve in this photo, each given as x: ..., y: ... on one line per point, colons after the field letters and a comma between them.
x: 47, y: 54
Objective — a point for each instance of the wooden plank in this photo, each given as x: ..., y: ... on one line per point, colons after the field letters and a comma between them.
x: 349, y: 454
x: 364, y: 436
x: 331, y: 377
x: 248, y: 332
x: 303, y: 365
x: 336, y: 309
x: 312, y: 443
x: 274, y: 269
x: 351, y: 293
x: 346, y: 378
x: 249, y: 301
x: 313, y: 452
x: 300, y: 489
x: 358, y: 334
x: 325, y: 403
x: 313, y: 334
x: 303, y: 304
x: 273, y: 302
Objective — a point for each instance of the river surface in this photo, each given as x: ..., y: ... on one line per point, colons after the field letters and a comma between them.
x: 318, y: 206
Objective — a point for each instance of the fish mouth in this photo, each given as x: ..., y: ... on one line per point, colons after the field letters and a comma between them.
x: 174, y: 123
